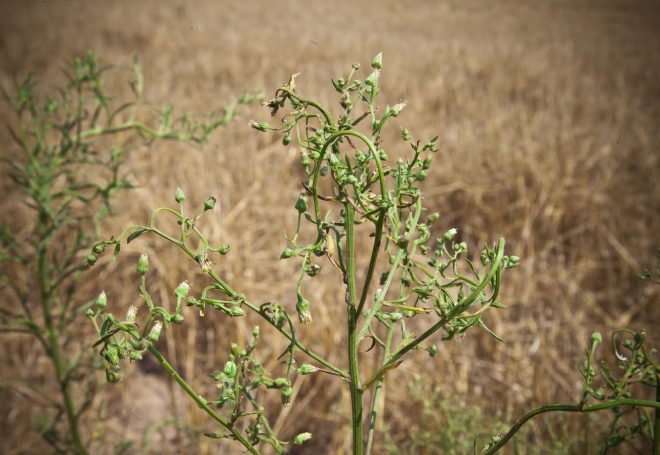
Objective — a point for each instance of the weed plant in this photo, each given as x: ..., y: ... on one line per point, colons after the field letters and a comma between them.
x: 357, y: 202
x: 71, y: 142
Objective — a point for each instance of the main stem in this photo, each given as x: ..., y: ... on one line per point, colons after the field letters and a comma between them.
x: 353, y: 315
x: 656, y: 430
x: 53, y: 341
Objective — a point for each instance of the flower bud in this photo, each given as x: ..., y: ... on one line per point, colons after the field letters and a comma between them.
x: 154, y: 334
x: 302, y: 307
x: 101, y: 300
x: 302, y: 438
x: 179, y: 196
x: 143, y: 264
x: 280, y: 383
x: 135, y: 355
x: 182, y: 290
x: 98, y: 248
x: 91, y: 259
x: 372, y: 79
x: 255, y: 331
x: 450, y: 234
x: 111, y: 376
x: 236, y: 312
x: 89, y: 313
x: 209, y: 203
x: 237, y: 351
x: 286, y: 140
x: 405, y: 135
x: 596, y: 338
x: 397, y: 108
x: 395, y: 316
x: 301, y: 204
x: 420, y: 175
x: 177, y: 318
x: 230, y: 369
x: 513, y: 261
x: 433, y: 217
x: 460, y: 247
x: 306, y: 368
x: 377, y: 63
x: 288, y: 253
x: 112, y: 355
x: 286, y: 395
x: 260, y: 126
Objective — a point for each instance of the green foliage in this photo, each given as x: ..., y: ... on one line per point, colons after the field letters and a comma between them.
x: 353, y: 194
x: 71, y: 143
x: 419, y: 278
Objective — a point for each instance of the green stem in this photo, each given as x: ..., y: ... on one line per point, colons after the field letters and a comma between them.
x: 353, y: 341
x: 656, y: 430
x: 201, y: 402
x: 378, y: 391
x: 230, y: 292
x: 569, y: 408
x: 52, y: 335
x: 372, y: 261
x: 456, y: 311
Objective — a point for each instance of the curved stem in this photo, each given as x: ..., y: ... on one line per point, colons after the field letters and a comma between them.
x: 317, y: 168
x: 201, y: 402
x: 568, y: 408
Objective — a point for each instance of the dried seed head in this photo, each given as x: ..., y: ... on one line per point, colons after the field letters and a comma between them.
x: 131, y: 313
x: 302, y: 307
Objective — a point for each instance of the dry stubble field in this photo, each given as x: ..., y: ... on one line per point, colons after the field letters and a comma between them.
x: 548, y: 119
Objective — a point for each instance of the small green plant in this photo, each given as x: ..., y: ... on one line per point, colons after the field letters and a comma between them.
x: 613, y: 386
x: 71, y: 144
x: 360, y: 207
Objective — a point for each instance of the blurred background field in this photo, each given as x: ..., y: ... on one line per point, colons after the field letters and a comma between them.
x: 548, y: 117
